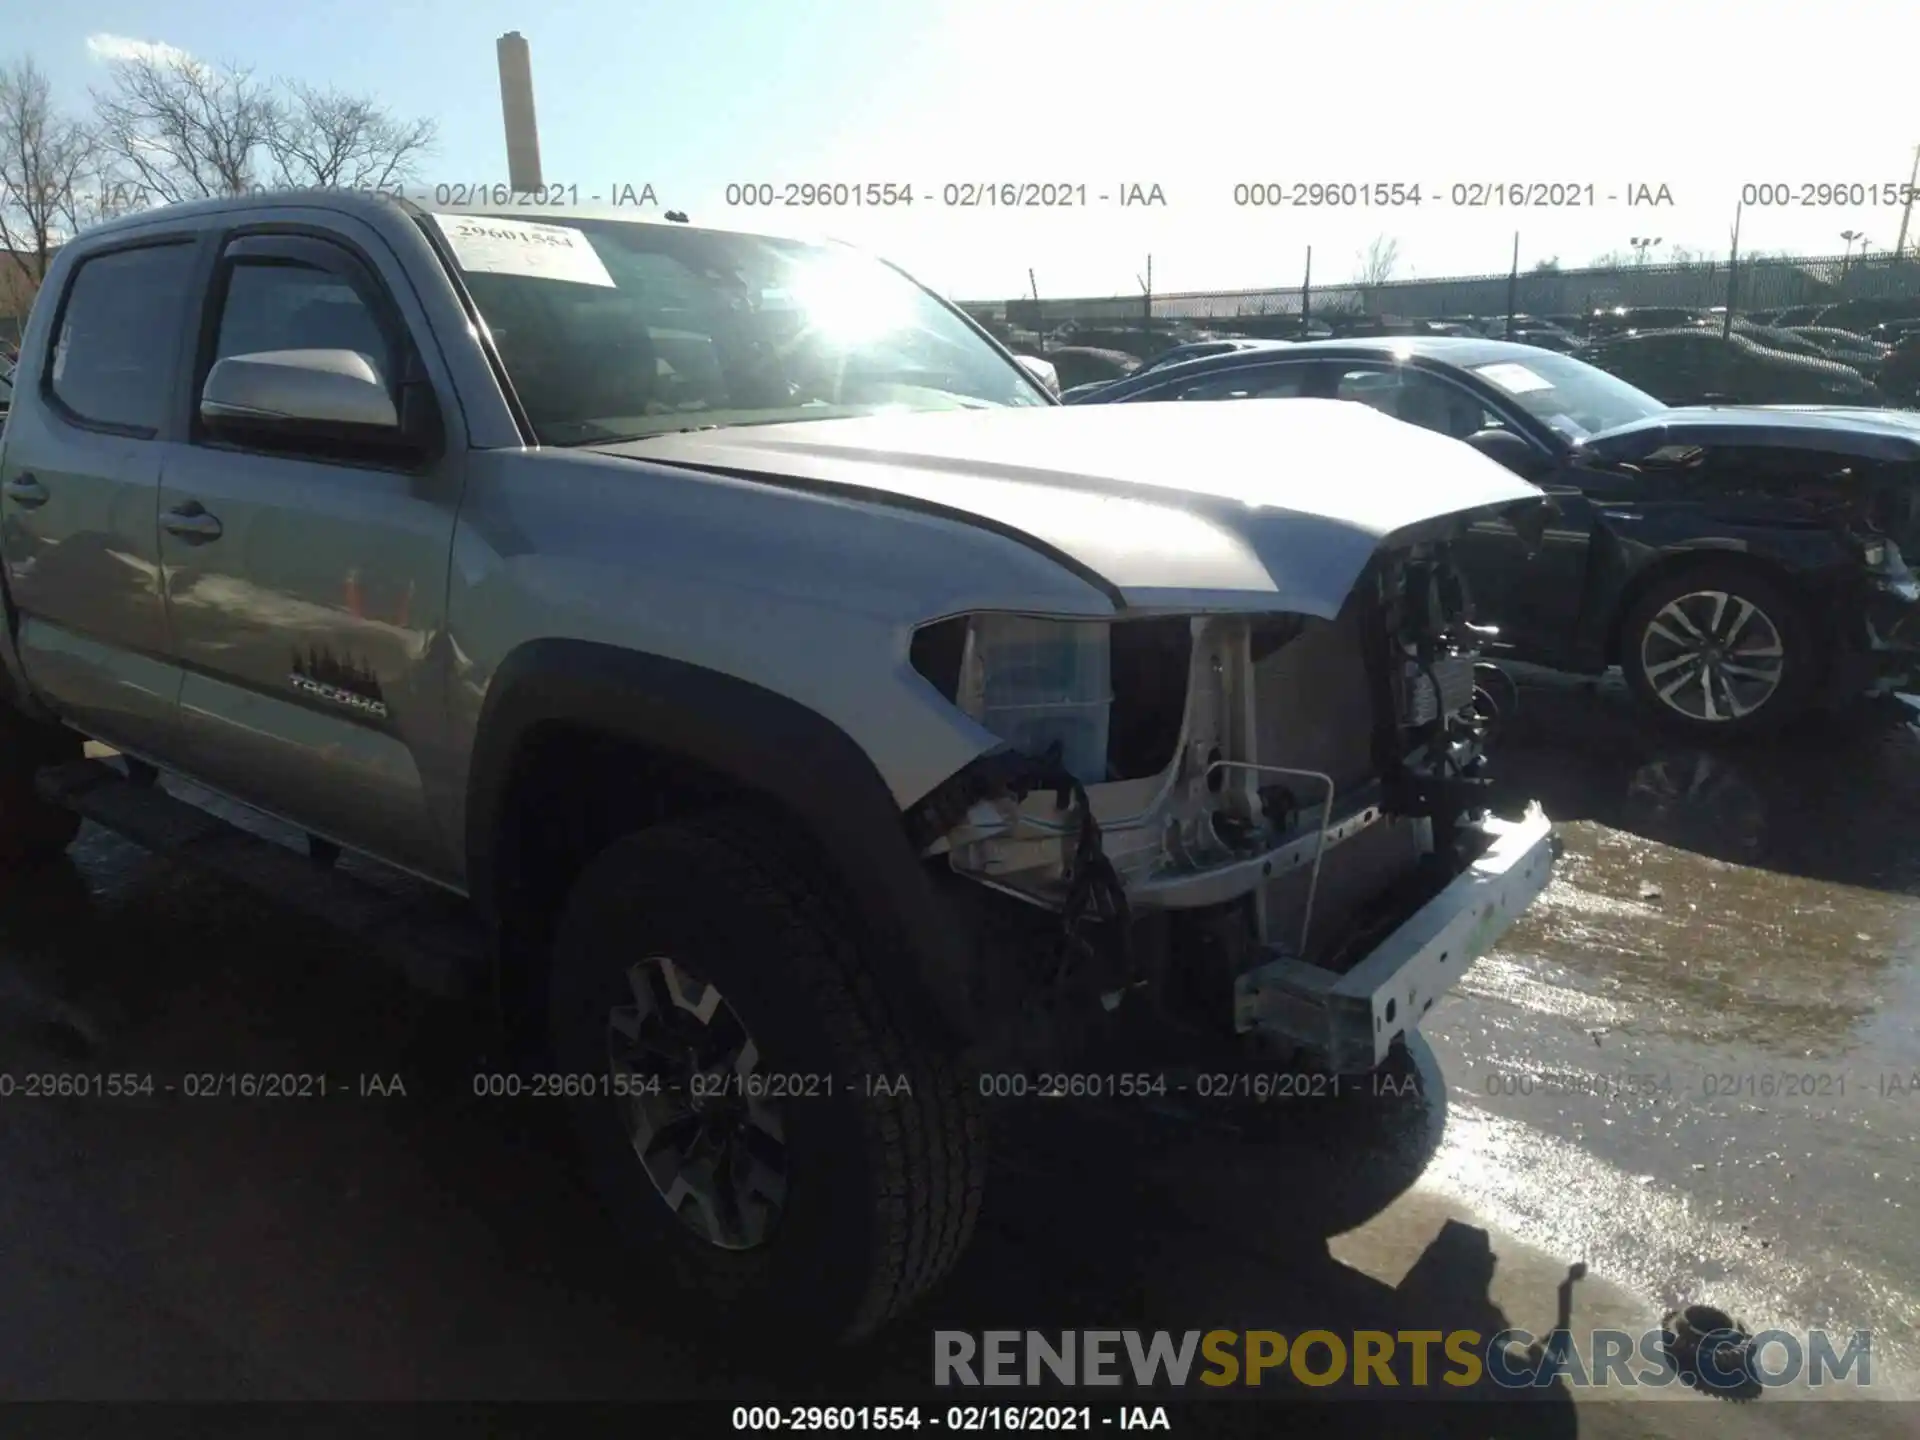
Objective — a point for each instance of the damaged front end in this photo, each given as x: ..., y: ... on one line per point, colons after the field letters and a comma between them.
x: 1268, y: 828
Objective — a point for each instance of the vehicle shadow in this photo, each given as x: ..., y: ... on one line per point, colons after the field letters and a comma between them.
x: 1829, y: 800
x: 429, y: 1242
x: 1162, y: 1220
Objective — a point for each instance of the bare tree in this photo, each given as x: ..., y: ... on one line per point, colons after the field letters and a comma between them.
x: 46, y: 160
x: 1549, y: 266
x: 1379, y: 261
x: 177, y: 128
x: 330, y: 139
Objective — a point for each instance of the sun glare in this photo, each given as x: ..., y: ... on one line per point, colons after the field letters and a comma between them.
x: 850, y: 302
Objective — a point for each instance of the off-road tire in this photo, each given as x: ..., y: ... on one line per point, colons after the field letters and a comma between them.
x: 884, y: 1188
x: 1787, y: 612
x: 32, y: 830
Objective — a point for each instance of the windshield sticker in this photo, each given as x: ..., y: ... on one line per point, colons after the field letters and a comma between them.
x: 1514, y: 379
x: 489, y: 244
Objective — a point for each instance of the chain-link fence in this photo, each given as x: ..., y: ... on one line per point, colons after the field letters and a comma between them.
x: 1760, y: 284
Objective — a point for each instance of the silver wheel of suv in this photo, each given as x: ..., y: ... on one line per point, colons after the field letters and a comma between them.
x: 685, y: 1072
x: 1712, y: 656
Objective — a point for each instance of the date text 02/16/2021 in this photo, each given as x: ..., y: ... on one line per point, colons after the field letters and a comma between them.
x: 1461, y: 194
x: 624, y: 194
x: 952, y: 195
x: 825, y: 195
x: 200, y: 1085
x: 963, y: 1419
x: 123, y: 197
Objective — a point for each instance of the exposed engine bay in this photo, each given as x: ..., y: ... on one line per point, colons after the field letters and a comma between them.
x: 1277, y: 789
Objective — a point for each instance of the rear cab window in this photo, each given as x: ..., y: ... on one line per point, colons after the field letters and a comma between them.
x: 117, y: 336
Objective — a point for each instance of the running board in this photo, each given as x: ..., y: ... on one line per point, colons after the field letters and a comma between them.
x: 438, y: 946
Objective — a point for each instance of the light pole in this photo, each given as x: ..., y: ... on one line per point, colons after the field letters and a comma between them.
x: 1846, y: 257
x: 1906, y: 208
x: 1641, y: 244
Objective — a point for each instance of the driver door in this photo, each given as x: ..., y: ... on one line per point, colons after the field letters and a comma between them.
x: 306, y: 583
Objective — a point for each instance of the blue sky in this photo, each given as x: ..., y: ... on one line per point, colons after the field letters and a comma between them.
x: 1192, y: 95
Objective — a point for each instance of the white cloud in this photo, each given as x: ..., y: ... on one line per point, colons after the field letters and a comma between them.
x: 109, y: 48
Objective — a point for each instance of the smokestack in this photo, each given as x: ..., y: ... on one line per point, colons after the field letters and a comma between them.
x: 516, y: 108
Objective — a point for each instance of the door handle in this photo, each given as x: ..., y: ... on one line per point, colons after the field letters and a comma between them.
x: 26, y: 491
x: 191, y: 523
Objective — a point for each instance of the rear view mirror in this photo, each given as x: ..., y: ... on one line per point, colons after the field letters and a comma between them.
x: 300, y: 394
x: 1510, y: 450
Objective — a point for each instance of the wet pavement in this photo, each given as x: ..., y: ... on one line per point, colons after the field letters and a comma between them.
x: 1694, y: 1067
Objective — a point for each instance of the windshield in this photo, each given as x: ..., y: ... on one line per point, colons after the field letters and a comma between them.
x: 1575, y: 398
x: 615, y: 330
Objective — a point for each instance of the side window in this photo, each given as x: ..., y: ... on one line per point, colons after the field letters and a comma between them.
x: 1417, y: 398
x: 1257, y: 382
x: 1369, y: 385
x: 284, y: 305
x: 118, y: 334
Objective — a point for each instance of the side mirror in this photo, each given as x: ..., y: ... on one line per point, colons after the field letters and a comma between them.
x: 1043, y: 371
x: 1510, y: 450
x: 300, y: 395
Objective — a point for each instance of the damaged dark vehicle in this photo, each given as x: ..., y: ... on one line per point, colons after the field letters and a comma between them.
x: 1742, y: 565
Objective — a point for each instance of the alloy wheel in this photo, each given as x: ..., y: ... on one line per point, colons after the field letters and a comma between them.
x: 1712, y: 656
x: 686, y: 1076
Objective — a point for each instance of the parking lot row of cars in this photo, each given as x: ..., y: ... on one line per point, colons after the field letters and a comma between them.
x: 1855, y: 352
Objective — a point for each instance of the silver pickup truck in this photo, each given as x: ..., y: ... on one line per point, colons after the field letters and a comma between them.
x: 821, y: 719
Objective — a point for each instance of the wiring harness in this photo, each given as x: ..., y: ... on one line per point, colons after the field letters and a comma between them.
x: 1096, y: 908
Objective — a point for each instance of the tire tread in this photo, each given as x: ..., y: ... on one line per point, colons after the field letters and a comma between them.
x: 927, y: 1146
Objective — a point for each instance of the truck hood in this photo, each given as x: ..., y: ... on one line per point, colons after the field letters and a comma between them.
x: 1850, y: 430
x: 1254, y: 506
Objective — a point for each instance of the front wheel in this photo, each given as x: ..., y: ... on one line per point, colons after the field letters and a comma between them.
x: 1720, y: 650
x: 762, y: 1108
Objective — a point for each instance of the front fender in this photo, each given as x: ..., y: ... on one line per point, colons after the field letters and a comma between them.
x: 761, y: 741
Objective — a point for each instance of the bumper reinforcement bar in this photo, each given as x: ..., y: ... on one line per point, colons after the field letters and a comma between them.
x: 1351, y: 1021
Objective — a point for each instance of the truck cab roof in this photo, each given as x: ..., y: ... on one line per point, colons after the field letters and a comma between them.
x: 374, y: 205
